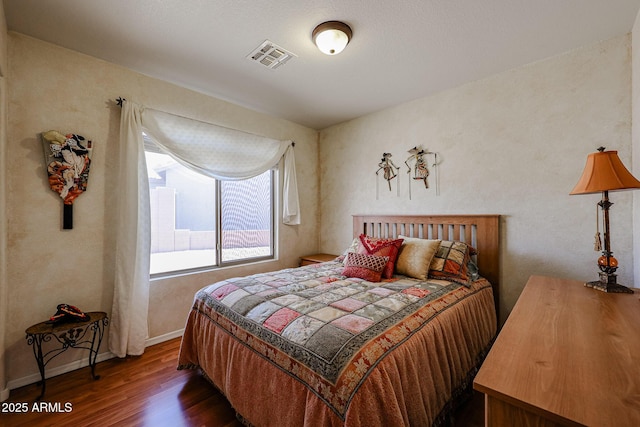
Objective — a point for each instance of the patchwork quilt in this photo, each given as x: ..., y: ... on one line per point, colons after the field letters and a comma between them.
x: 326, y: 330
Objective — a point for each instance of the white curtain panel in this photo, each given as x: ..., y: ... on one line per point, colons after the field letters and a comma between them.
x: 223, y: 153
x: 128, y: 326
x: 290, y: 202
x: 216, y: 151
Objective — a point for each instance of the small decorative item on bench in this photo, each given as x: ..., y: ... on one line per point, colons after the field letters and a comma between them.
x: 68, y: 313
x: 68, y: 158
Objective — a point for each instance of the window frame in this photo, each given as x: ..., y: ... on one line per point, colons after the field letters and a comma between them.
x: 218, y: 263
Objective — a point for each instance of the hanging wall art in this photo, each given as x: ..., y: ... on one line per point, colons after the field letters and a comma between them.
x: 389, y: 171
x: 67, y: 158
x: 418, y: 168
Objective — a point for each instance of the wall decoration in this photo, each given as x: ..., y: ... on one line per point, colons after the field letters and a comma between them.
x: 418, y: 170
x: 390, y: 171
x: 68, y: 158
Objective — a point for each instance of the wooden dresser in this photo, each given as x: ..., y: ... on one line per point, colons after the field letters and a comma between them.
x: 568, y: 355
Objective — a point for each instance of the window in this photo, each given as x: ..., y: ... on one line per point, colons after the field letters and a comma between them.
x: 198, y: 222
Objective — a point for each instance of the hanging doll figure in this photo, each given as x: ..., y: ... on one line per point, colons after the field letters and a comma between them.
x: 387, y: 166
x: 420, y: 170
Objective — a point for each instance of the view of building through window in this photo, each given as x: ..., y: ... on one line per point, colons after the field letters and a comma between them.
x: 185, y: 208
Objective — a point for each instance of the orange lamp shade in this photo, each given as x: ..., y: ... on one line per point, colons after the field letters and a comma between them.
x: 604, y: 171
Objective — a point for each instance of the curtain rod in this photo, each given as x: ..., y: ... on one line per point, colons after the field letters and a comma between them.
x: 120, y: 102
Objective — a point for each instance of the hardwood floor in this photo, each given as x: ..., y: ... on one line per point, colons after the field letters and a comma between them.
x: 144, y: 391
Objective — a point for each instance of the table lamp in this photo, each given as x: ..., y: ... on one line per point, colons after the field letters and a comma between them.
x: 605, y: 172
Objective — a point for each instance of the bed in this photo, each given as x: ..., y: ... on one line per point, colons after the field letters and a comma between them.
x: 326, y: 345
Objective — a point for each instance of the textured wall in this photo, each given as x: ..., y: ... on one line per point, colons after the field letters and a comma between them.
x: 4, y: 391
x: 513, y: 144
x: 54, y: 88
x: 635, y: 138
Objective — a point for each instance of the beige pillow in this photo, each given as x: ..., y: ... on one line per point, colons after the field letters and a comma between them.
x: 415, y: 257
x: 353, y: 247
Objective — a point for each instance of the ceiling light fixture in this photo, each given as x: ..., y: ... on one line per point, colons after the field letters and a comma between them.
x: 331, y: 37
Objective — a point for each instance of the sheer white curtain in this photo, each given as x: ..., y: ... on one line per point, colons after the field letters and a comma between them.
x: 223, y: 153
x: 216, y: 151
x: 129, y: 331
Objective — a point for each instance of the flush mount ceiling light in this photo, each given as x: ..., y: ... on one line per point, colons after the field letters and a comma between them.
x: 331, y: 37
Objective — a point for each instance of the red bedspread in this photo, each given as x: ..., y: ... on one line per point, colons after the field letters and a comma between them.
x: 308, y: 346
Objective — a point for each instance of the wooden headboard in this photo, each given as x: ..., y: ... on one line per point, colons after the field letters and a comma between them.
x: 480, y: 231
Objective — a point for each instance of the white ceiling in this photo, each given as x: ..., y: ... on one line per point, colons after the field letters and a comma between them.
x: 401, y: 50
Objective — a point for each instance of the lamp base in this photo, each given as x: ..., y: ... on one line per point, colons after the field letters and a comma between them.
x: 608, y: 283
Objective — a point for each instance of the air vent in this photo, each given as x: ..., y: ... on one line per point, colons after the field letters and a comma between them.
x: 270, y: 55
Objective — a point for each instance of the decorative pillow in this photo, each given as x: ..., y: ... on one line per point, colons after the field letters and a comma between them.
x: 472, y: 268
x: 367, y: 267
x: 451, y: 262
x: 415, y: 255
x: 381, y: 247
x: 353, y: 247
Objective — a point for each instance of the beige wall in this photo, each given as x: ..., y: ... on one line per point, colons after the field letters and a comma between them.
x: 635, y: 141
x: 54, y: 88
x: 4, y: 391
x: 513, y: 144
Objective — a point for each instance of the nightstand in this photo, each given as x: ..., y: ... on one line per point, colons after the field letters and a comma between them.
x: 316, y: 258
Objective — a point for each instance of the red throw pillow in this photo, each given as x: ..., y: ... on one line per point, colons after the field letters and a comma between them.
x: 381, y: 247
x: 367, y: 267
